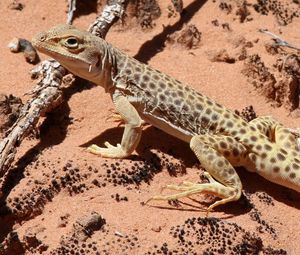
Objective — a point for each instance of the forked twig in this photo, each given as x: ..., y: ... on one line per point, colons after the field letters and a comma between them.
x: 47, y: 93
x: 279, y: 41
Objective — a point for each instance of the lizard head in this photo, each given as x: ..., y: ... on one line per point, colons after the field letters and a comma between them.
x: 72, y: 48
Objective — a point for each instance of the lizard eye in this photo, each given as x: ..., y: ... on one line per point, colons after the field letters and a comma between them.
x: 72, y: 42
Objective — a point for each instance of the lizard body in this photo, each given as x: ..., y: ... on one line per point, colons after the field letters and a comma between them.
x: 219, y: 138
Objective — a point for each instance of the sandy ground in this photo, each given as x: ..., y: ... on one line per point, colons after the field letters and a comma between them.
x: 65, y: 200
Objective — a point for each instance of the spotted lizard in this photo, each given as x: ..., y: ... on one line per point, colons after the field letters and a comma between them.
x: 220, y: 139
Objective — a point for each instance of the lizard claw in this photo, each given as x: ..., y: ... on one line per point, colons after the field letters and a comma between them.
x: 109, y: 152
x: 109, y: 146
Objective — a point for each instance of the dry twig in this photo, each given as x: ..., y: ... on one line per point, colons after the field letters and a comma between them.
x: 47, y: 93
x: 279, y: 41
x: 71, y: 10
x: 111, y: 12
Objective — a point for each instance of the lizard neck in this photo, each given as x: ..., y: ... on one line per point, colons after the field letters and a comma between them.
x: 114, y: 62
x: 107, y: 68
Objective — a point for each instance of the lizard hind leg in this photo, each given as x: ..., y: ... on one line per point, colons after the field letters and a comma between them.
x: 286, y: 138
x: 223, y: 180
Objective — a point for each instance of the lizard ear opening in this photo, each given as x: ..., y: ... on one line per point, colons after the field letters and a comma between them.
x: 98, y: 63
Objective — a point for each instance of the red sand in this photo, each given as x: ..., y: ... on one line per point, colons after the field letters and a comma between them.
x: 46, y: 214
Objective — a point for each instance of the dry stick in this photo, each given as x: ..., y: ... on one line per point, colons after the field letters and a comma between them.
x: 110, y: 14
x: 279, y: 41
x: 71, y: 10
x: 47, y: 94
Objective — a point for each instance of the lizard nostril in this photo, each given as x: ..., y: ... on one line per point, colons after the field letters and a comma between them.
x: 42, y: 37
x: 39, y: 38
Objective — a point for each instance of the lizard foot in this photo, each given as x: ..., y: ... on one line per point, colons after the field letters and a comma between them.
x: 187, y: 189
x: 109, y: 152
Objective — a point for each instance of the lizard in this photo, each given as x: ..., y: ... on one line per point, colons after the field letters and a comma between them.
x: 219, y: 138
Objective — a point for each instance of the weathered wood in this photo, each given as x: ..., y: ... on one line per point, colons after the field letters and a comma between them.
x: 47, y: 93
x: 71, y: 10
x: 279, y: 41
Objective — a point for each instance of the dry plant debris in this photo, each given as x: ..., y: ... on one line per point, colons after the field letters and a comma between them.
x: 142, y: 12
x: 10, y: 107
x: 280, y: 82
x: 22, y: 45
x: 91, y: 233
x: 188, y: 38
x: 278, y: 41
x: 247, y: 113
x: 284, y: 11
x: 47, y: 94
x: 16, y: 5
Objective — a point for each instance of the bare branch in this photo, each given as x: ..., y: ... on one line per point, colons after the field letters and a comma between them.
x: 279, y: 41
x: 113, y: 11
x: 47, y: 93
x: 45, y: 98
x: 71, y: 10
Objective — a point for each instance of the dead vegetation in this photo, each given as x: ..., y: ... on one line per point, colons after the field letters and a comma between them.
x: 279, y: 82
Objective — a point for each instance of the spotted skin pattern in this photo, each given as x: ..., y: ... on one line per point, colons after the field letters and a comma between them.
x: 220, y: 139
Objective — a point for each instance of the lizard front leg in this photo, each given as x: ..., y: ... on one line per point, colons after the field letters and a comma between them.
x: 132, y: 132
